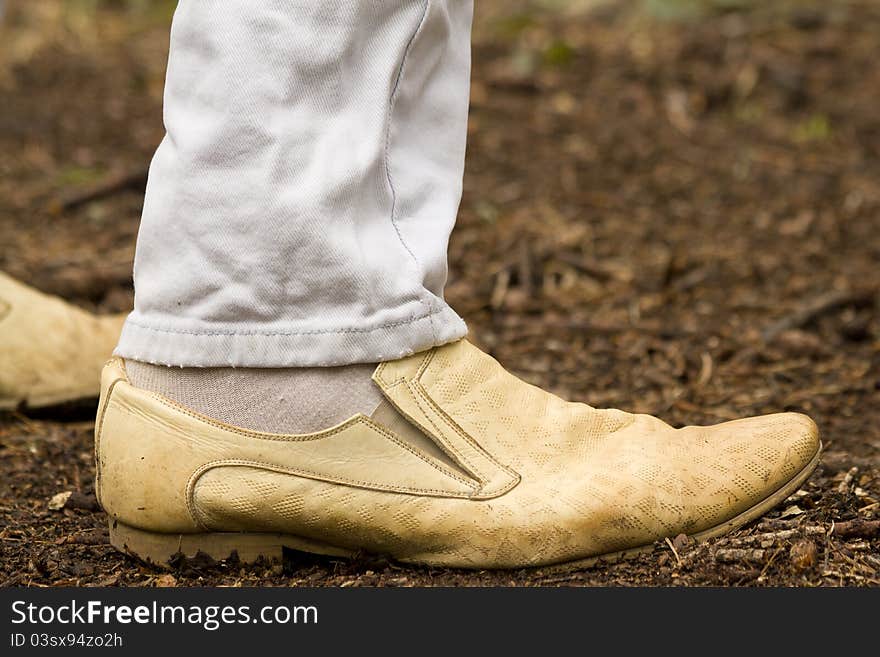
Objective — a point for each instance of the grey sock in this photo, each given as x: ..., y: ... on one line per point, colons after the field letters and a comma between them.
x: 283, y: 400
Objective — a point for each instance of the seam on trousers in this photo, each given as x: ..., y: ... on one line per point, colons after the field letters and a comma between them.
x: 391, y: 101
x: 313, y: 332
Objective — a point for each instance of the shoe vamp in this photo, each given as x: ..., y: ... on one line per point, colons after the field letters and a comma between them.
x: 518, y: 424
x: 687, y: 479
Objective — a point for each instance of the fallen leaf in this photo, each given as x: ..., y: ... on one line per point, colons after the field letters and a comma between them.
x: 59, y: 501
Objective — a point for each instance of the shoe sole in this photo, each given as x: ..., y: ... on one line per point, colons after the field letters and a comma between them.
x: 163, y: 550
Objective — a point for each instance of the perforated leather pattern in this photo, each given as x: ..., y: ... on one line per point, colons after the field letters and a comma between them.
x: 592, y: 481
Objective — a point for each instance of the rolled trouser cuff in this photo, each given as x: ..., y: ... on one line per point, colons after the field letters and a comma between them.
x: 279, y: 346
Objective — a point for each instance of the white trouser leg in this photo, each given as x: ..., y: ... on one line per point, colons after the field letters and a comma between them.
x: 299, y: 208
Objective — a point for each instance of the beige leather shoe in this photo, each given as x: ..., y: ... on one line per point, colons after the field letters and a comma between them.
x: 50, y: 351
x: 464, y: 466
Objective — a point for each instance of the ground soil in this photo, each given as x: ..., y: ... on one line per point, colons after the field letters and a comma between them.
x: 674, y: 215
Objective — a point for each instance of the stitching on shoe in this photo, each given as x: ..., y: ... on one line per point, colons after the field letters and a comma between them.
x: 461, y: 432
x: 378, y: 374
x: 460, y: 457
x: 380, y: 371
x: 416, y: 390
x: 291, y: 438
x: 259, y: 435
x: 424, y: 364
x: 440, y: 468
x: 358, y: 419
x: 307, y: 474
x: 439, y: 439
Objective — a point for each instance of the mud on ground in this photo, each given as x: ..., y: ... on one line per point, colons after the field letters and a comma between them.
x: 672, y: 214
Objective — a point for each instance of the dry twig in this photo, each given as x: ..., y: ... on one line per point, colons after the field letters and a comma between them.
x: 119, y: 182
x: 819, y: 306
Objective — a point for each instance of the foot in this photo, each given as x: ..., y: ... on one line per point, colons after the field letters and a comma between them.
x: 51, y: 352
x: 462, y: 465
